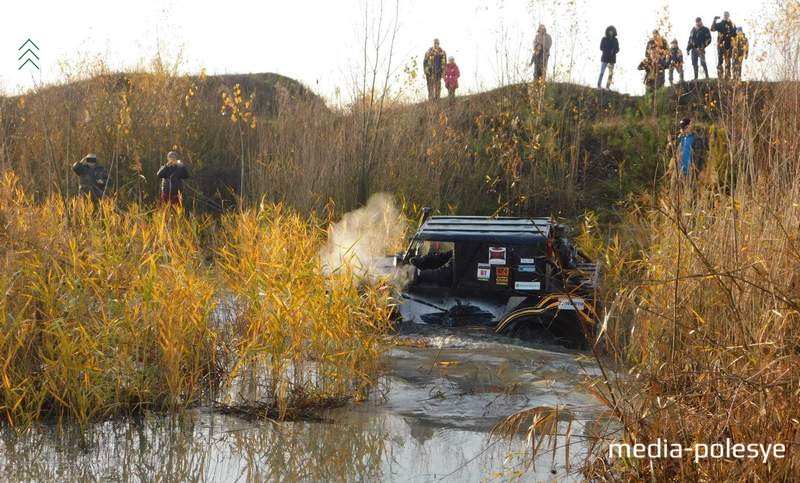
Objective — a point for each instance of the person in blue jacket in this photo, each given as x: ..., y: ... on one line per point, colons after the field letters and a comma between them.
x: 686, y: 142
x: 609, y: 45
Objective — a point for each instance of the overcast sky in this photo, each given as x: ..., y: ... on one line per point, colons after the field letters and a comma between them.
x: 317, y: 42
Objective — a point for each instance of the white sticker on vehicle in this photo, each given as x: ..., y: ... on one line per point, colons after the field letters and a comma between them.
x: 497, y: 255
x: 570, y: 303
x: 527, y: 260
x: 484, y: 272
x: 527, y: 285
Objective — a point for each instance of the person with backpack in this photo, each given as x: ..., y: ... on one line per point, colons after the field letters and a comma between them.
x: 92, y: 178
x: 451, y: 75
x: 609, y: 45
x: 675, y: 61
x: 699, y: 39
x: 172, y: 174
x: 726, y: 31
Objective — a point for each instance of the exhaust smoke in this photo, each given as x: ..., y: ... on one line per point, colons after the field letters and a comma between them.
x: 363, y: 240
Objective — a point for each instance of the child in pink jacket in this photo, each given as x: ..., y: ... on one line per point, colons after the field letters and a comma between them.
x: 451, y: 75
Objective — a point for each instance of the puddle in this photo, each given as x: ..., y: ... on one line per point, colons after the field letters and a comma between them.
x: 429, y: 421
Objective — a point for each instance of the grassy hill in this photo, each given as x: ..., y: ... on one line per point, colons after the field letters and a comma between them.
x: 523, y: 149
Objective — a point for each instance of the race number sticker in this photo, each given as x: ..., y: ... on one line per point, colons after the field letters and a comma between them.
x: 501, y: 275
x: 527, y: 285
x: 570, y: 303
x: 497, y: 255
x: 484, y: 272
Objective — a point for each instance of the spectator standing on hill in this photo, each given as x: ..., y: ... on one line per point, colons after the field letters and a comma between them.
x: 741, y: 48
x: 655, y: 61
x: 451, y: 75
x: 609, y: 45
x: 433, y: 65
x: 686, y: 145
x: 541, y: 52
x: 726, y: 31
x: 172, y: 175
x: 699, y: 39
x: 657, y: 47
x: 675, y: 61
x: 92, y: 178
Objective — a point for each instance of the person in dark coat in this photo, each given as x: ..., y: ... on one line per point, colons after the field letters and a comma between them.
x: 609, y: 45
x: 699, y: 39
x: 172, y: 175
x: 92, y: 178
x: 726, y: 31
x: 433, y: 65
x: 675, y: 61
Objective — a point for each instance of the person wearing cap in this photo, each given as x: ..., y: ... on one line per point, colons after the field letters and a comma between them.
x: 686, y: 142
x: 675, y: 61
x: 172, y: 174
x: 609, y: 46
x: 741, y: 48
x: 541, y: 52
x: 92, y: 178
x: 699, y: 39
x: 433, y: 65
x: 726, y: 31
x: 451, y: 75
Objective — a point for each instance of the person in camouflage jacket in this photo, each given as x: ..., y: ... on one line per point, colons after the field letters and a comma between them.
x: 433, y: 65
x: 741, y: 49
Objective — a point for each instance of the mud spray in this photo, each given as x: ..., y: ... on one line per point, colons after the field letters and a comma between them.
x: 363, y: 241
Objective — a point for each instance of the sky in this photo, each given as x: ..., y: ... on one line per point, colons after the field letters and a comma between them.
x: 320, y: 43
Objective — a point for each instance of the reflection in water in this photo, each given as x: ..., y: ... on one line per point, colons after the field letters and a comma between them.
x: 197, y: 446
x: 432, y: 425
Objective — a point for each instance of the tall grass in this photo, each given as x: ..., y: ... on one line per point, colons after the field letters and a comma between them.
x: 704, y: 322
x: 105, y: 311
x: 513, y: 150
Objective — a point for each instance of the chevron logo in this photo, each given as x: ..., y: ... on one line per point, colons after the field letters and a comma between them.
x: 28, y: 54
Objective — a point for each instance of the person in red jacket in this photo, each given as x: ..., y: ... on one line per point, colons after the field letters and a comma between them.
x: 451, y: 75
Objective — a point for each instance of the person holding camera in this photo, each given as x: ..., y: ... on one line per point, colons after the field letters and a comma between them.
x: 92, y: 177
x: 699, y: 39
x: 726, y: 31
x: 172, y: 175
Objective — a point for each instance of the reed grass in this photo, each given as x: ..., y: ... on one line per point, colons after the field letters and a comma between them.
x: 106, y: 311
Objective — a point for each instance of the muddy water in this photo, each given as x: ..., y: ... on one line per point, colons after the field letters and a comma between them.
x: 429, y: 421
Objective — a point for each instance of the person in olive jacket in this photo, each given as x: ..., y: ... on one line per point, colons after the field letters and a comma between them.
x: 609, y: 45
x: 726, y: 31
x: 699, y: 39
x: 172, y: 175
